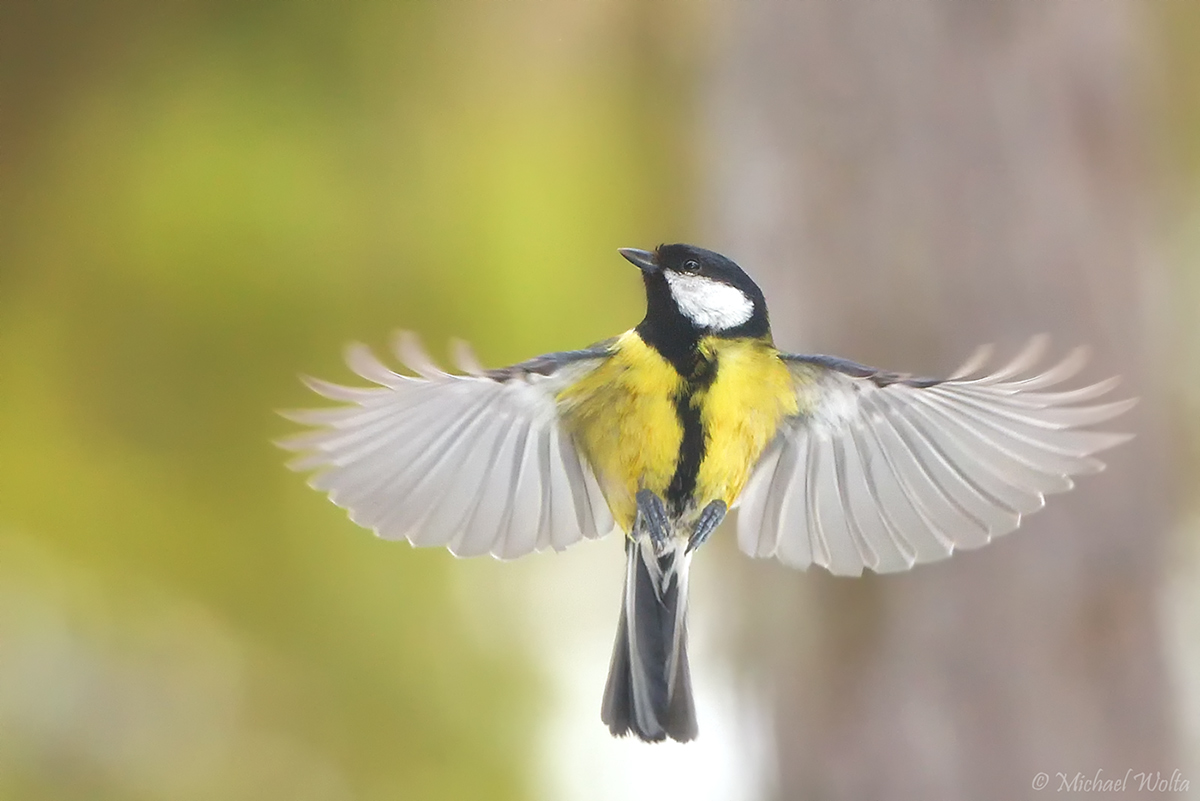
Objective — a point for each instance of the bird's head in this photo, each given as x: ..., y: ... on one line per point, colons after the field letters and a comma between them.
x: 692, y: 288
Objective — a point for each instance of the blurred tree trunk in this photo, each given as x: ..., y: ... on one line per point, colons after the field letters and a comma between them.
x: 909, y: 180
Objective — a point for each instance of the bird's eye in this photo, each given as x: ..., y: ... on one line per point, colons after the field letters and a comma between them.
x: 691, y: 266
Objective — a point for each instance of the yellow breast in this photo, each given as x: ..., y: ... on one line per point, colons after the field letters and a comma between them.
x: 623, y: 417
x: 741, y: 411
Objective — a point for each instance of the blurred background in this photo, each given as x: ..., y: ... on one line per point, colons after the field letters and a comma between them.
x: 202, y: 199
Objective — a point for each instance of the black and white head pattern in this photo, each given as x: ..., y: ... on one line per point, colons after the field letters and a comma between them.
x: 711, y: 291
x: 707, y: 302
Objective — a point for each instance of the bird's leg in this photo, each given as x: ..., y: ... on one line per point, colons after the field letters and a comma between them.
x: 710, y: 518
x: 652, y: 518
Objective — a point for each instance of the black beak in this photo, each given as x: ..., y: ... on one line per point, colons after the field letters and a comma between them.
x: 644, y: 260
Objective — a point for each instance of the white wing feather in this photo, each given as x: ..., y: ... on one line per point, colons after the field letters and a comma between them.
x: 882, y: 472
x: 471, y: 462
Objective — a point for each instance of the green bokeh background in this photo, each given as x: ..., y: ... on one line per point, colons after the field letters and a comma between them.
x: 201, y: 200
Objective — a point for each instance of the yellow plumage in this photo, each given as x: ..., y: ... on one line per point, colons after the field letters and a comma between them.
x: 741, y: 412
x: 624, y: 417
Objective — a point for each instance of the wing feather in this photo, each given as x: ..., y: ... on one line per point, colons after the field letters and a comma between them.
x: 546, y: 475
x: 465, y: 533
x: 957, y: 486
x: 835, y: 545
x: 891, y: 551
x: 563, y: 516
x: 940, y: 516
x: 996, y: 470
x: 778, y: 489
x: 883, y: 471
x: 974, y: 467
x: 577, y: 483
x: 419, y: 514
x: 476, y: 462
x: 1023, y: 465
x: 525, y: 508
x: 388, y: 491
x: 793, y: 515
x: 897, y: 503
x: 489, y: 519
x: 752, y: 503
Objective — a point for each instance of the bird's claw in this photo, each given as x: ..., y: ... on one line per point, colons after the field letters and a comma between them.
x: 710, y: 518
x: 652, y: 519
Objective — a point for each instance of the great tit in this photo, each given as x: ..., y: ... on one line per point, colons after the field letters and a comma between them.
x: 660, y: 431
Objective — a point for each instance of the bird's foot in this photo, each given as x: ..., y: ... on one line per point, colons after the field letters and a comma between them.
x: 652, y: 518
x: 710, y: 518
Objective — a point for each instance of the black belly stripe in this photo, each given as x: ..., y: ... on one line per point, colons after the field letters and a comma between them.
x: 695, y: 440
x: 691, y: 453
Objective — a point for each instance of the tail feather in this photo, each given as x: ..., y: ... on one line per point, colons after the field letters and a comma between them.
x: 649, y: 691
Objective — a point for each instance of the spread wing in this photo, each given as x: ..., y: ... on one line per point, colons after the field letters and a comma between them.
x: 475, y: 462
x: 883, y: 471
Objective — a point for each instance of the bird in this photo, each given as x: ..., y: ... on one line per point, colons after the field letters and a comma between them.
x: 659, y: 432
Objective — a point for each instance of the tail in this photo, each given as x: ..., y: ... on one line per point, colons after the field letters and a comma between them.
x: 649, y: 690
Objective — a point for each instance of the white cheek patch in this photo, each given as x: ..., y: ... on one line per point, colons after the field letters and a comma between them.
x: 709, y: 303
